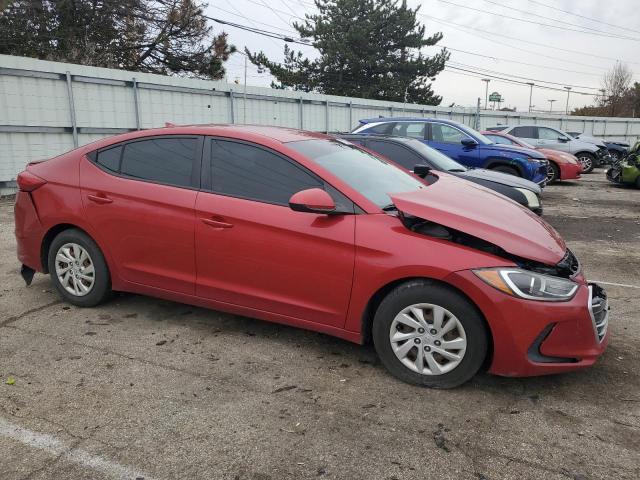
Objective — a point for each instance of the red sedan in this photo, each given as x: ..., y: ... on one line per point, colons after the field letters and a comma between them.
x: 562, y: 165
x: 305, y: 230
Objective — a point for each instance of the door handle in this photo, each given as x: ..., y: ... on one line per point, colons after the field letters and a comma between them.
x: 216, y: 223
x: 101, y: 199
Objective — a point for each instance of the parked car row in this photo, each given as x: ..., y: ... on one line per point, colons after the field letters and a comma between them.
x: 443, y: 275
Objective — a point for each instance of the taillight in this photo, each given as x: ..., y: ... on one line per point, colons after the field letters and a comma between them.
x: 28, y: 182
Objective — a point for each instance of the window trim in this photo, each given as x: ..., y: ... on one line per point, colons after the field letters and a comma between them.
x: 207, y: 174
x: 195, y: 169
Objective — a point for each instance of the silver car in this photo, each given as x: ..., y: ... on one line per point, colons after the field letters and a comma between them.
x: 589, y: 154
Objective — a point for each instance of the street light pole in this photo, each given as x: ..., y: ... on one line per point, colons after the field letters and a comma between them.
x: 486, y: 91
x: 566, y: 110
x: 551, y: 105
x: 531, y: 84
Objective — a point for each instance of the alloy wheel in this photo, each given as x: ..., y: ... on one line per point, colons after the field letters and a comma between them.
x: 551, y: 174
x: 75, y: 269
x: 428, y: 339
x: 586, y: 163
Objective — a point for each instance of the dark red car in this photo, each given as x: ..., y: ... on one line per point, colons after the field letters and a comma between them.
x: 562, y: 165
x: 302, y: 229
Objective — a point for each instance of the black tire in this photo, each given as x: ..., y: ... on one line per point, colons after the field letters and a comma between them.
x: 587, y: 160
x: 430, y: 292
x: 638, y: 182
x: 101, y: 287
x: 506, y: 169
x: 553, y: 173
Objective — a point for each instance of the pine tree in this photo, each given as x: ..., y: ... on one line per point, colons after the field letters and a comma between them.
x: 157, y: 36
x: 368, y: 49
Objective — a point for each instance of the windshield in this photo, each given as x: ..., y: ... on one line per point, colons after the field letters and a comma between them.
x: 439, y: 160
x: 369, y: 175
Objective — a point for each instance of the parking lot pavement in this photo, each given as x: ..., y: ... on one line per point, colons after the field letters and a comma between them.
x: 148, y: 388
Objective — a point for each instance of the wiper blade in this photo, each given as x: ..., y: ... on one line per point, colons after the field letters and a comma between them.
x: 457, y: 170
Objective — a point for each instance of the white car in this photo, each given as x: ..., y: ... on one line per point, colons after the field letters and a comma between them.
x: 589, y: 154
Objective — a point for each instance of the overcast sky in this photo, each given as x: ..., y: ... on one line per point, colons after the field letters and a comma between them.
x: 562, y: 55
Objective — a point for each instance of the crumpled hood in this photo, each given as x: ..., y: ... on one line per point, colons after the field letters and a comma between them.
x: 503, y: 179
x: 509, y: 150
x: 478, y: 211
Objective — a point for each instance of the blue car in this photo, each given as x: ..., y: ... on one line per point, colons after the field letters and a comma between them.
x: 463, y: 144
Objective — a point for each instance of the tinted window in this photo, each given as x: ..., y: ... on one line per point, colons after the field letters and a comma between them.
x: 446, y: 134
x: 245, y: 171
x: 382, y: 129
x: 524, y: 132
x: 372, y: 176
x: 409, y: 129
x: 110, y: 159
x: 397, y: 153
x: 162, y: 160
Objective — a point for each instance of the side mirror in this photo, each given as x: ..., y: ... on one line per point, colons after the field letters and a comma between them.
x: 313, y: 200
x: 422, y: 170
x: 563, y: 139
x: 469, y: 142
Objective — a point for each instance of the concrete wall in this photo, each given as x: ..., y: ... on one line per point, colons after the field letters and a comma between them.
x: 47, y: 108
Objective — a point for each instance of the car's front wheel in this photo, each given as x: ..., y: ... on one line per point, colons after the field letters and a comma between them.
x: 78, y: 269
x: 553, y: 173
x: 428, y: 334
x: 587, y: 161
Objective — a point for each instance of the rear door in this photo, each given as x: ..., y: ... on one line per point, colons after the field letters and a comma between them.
x: 252, y: 250
x: 528, y: 134
x: 448, y: 140
x: 140, y: 197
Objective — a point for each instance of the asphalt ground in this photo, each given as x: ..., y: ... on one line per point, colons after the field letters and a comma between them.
x: 146, y: 388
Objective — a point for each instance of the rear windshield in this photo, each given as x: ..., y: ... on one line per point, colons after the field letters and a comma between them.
x: 371, y: 176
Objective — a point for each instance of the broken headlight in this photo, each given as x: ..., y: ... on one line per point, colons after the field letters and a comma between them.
x: 529, y: 285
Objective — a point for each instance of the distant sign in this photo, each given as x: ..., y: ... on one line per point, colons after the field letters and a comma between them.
x: 495, y: 97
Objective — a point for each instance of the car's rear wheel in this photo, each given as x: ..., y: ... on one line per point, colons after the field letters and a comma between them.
x: 78, y: 269
x: 553, y: 173
x: 587, y: 161
x: 427, y: 334
x: 506, y: 169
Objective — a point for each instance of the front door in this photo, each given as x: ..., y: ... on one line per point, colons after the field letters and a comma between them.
x: 139, y: 197
x: 448, y: 140
x: 252, y: 250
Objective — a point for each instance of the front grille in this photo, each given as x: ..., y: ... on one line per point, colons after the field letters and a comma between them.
x: 599, y: 310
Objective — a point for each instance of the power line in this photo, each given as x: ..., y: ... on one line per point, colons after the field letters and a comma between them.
x: 492, y: 57
x: 259, y: 31
x: 447, y: 22
x: 527, y: 12
x: 548, y: 25
x: 521, y: 77
x: 509, y: 80
x: 582, y: 16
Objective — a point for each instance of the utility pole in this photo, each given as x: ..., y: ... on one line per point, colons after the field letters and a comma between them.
x: 531, y: 84
x: 566, y: 110
x: 244, y: 103
x: 486, y: 91
x: 551, y: 105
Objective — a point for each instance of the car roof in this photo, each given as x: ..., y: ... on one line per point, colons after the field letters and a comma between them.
x: 252, y: 133
x: 407, y: 119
